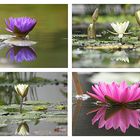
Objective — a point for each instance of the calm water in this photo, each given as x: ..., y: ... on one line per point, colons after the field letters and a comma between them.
x: 103, y: 58
x: 49, y: 93
x: 50, y: 33
x: 82, y: 122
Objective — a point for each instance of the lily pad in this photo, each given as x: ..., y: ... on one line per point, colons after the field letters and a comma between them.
x: 19, y: 42
x: 4, y: 37
x: 36, y: 103
x: 40, y: 108
x: 60, y: 107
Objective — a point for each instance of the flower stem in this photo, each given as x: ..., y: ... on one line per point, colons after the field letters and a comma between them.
x: 121, y: 40
x: 21, y: 104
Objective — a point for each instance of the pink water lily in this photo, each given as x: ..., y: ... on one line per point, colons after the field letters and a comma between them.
x: 116, y: 93
x: 121, y: 119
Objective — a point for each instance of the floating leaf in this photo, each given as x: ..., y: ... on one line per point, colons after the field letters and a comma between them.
x: 19, y: 42
x: 40, y: 108
x: 4, y: 37
x: 60, y: 107
x: 36, y: 103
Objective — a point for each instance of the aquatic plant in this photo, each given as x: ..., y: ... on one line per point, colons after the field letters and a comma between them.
x: 20, y: 54
x: 22, y: 91
x: 92, y: 27
x: 116, y: 118
x: 20, y: 26
x: 137, y: 15
x: 120, y: 28
x: 116, y: 93
x: 23, y: 129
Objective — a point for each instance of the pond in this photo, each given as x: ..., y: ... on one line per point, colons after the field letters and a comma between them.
x: 44, y: 108
x: 90, y: 121
x: 50, y: 38
x: 92, y: 118
x: 105, y: 50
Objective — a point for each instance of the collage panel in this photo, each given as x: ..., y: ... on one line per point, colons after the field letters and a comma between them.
x: 33, y: 104
x: 105, y: 35
x: 30, y: 37
x: 106, y: 104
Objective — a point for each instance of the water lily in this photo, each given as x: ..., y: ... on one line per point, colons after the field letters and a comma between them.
x: 22, y: 91
x: 23, y: 129
x: 20, y: 54
x: 120, y: 28
x: 116, y: 93
x: 116, y: 118
x: 20, y: 26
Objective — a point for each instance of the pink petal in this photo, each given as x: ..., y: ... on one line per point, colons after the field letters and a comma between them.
x: 96, y: 97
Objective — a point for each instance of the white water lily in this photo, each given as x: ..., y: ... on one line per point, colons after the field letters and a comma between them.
x: 120, y: 28
x: 22, y: 130
x: 22, y: 89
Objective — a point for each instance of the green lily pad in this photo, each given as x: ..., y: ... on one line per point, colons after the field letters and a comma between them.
x: 40, y: 108
x: 19, y: 42
x: 36, y: 103
x: 60, y: 107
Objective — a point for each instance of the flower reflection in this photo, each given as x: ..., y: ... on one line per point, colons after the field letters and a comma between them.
x: 20, y: 26
x: 120, y: 56
x: 23, y: 129
x: 116, y: 118
x: 20, y: 54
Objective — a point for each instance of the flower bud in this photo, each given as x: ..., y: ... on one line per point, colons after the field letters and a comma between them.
x: 22, y: 89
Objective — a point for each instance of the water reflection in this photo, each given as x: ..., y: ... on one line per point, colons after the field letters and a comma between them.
x: 120, y: 56
x: 116, y: 118
x: 20, y: 54
x: 22, y: 129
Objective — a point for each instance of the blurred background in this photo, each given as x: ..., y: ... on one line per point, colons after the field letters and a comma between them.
x: 107, y: 13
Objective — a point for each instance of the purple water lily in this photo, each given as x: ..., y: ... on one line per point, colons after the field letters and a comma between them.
x: 20, y: 54
x: 20, y: 26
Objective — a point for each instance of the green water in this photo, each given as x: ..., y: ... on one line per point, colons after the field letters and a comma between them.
x: 50, y: 33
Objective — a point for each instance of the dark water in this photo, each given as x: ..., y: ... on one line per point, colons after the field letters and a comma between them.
x: 50, y: 33
x: 82, y: 122
x: 50, y: 93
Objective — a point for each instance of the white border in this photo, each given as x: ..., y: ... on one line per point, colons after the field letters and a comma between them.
x: 69, y: 70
